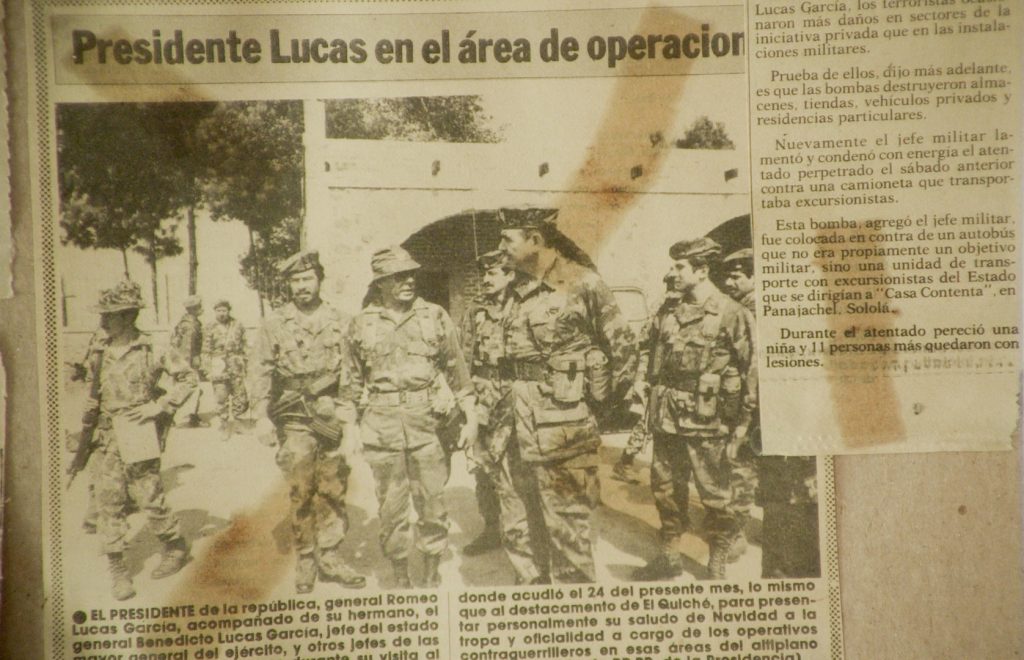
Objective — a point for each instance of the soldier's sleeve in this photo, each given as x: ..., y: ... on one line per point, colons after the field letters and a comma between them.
x: 741, y: 334
x: 261, y: 370
x: 205, y: 357
x: 91, y: 410
x: 352, y: 377
x: 453, y: 361
x: 467, y: 333
x: 614, y: 335
x: 752, y: 393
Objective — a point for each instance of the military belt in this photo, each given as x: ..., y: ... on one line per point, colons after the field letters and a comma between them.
x: 297, y: 383
x: 398, y: 398
x: 682, y: 383
x: 521, y: 370
x: 488, y: 371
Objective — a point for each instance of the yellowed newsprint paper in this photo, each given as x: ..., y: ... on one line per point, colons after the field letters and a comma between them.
x: 455, y: 330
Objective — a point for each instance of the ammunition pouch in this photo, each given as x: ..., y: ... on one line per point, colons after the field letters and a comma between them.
x: 706, y: 401
x: 329, y: 431
x: 730, y: 397
x: 290, y: 404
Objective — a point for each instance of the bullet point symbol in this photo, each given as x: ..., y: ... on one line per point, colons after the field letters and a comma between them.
x: 79, y: 617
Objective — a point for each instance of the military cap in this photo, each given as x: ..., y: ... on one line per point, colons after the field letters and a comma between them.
x: 526, y: 218
x: 222, y: 303
x: 701, y: 248
x: 300, y: 262
x: 391, y: 260
x: 738, y: 258
x: 492, y: 259
x: 124, y: 296
x: 192, y: 302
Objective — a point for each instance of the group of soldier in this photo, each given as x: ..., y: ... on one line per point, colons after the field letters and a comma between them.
x: 519, y: 387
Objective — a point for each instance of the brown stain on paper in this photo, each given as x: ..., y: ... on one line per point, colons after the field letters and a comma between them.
x: 865, y: 402
x: 641, y: 107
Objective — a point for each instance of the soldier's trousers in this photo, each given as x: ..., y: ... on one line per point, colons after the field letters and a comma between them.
x: 317, y: 484
x: 232, y: 399
x: 675, y: 458
x: 116, y: 485
x: 487, y: 498
x: 568, y: 496
x: 522, y: 523
x: 637, y: 439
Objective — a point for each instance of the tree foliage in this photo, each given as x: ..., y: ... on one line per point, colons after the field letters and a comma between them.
x: 412, y: 119
x: 705, y: 134
x: 254, y: 174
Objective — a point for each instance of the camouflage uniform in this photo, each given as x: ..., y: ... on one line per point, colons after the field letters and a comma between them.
x: 402, y: 373
x: 293, y: 350
x: 224, y: 349
x: 483, y: 345
x: 688, y: 343
x: 126, y: 376
x: 640, y: 434
x: 557, y: 329
x: 187, y: 338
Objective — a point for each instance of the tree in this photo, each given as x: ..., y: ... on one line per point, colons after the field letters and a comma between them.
x: 411, y: 118
x: 254, y: 174
x: 116, y: 189
x: 705, y: 134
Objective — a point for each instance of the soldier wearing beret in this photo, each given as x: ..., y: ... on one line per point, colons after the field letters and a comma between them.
x: 297, y: 362
x: 483, y: 344
x: 224, y: 362
x: 187, y: 340
x: 405, y: 376
x: 567, y: 349
x: 701, y: 353
x: 134, y: 392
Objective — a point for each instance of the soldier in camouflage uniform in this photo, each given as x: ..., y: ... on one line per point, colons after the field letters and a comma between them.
x: 567, y: 348
x: 301, y: 346
x: 784, y: 486
x: 224, y: 363
x: 135, y: 391
x: 187, y: 340
x: 405, y: 373
x: 623, y: 470
x: 739, y: 283
x: 700, y: 356
x: 484, y: 344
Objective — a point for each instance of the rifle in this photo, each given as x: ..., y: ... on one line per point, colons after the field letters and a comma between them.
x: 85, y: 445
x: 294, y: 402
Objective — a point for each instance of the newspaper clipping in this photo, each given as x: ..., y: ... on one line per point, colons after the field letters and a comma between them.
x: 447, y: 330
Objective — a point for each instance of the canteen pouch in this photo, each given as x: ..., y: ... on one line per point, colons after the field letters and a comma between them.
x: 706, y: 404
x: 567, y: 376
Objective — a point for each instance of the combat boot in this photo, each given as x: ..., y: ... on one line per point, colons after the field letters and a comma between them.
x: 334, y: 568
x: 431, y: 575
x: 489, y: 539
x: 305, y: 573
x: 401, y: 570
x: 663, y: 567
x: 624, y: 470
x: 175, y: 556
x: 122, y: 588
